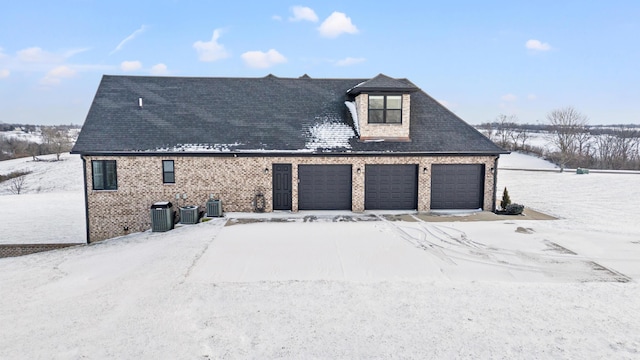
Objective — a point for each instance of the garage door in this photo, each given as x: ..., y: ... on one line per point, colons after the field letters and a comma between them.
x: 391, y: 187
x: 324, y: 187
x: 457, y: 186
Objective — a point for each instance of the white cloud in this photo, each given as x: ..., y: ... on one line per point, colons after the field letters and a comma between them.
x: 37, y: 55
x: 211, y: 50
x: 55, y: 75
x: 277, y: 17
x: 37, y: 60
x: 261, y: 60
x: 537, y: 45
x: 128, y: 38
x: 336, y: 24
x: 130, y: 65
x: 350, y: 61
x: 159, y: 69
x: 301, y: 13
x: 532, y: 96
x: 4, y: 73
x: 72, y: 52
x: 509, y: 97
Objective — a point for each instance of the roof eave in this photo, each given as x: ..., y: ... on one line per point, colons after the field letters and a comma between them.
x: 290, y: 153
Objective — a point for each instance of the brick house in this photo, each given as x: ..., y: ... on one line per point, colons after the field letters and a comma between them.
x: 298, y: 143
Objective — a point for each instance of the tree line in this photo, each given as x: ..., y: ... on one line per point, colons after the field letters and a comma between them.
x: 55, y: 140
x: 574, y: 143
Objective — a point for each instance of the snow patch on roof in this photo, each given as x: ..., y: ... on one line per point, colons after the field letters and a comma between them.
x: 348, y: 91
x: 351, y: 105
x: 200, y: 148
x: 329, y: 134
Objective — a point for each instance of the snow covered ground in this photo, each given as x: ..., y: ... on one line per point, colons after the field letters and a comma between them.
x: 50, y: 207
x: 21, y: 135
x: 335, y: 288
x: 517, y: 160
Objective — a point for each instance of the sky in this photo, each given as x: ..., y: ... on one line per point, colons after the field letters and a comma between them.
x: 480, y: 59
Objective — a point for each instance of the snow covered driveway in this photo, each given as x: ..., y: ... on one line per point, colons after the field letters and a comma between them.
x: 309, y: 290
x: 275, y: 251
x: 391, y: 250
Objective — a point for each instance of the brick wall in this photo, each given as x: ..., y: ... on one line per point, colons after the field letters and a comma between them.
x: 13, y: 250
x: 400, y: 131
x: 234, y: 180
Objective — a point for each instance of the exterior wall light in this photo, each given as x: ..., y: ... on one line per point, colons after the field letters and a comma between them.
x: 424, y: 170
x: 358, y: 170
x: 266, y: 170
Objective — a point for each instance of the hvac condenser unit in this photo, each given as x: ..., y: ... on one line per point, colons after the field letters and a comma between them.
x: 161, y: 216
x: 189, y: 214
x: 214, y: 208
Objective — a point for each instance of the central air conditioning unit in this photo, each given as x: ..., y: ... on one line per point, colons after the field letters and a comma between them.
x: 161, y: 216
x: 189, y: 214
x: 214, y: 208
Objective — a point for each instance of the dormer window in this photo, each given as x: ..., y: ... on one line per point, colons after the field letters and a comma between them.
x: 385, y: 109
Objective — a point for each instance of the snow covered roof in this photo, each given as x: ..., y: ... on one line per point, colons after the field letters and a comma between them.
x: 249, y: 115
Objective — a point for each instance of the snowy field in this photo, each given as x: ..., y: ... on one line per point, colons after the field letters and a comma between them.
x: 50, y: 207
x: 334, y: 288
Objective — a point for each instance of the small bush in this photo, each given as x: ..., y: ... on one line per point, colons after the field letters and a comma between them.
x: 506, y: 200
x: 514, y: 209
x: 13, y: 175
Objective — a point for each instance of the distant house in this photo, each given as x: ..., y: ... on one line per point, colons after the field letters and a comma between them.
x: 298, y: 143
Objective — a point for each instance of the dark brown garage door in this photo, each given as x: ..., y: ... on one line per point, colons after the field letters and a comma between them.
x: 324, y: 187
x: 391, y: 187
x: 457, y: 186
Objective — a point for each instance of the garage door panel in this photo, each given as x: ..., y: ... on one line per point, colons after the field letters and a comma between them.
x: 391, y: 187
x: 457, y: 186
x: 324, y: 187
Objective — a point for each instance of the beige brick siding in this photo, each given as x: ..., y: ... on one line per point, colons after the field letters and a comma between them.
x: 382, y: 130
x: 12, y: 250
x: 234, y: 180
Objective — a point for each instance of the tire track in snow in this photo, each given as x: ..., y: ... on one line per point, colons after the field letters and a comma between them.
x: 461, y: 248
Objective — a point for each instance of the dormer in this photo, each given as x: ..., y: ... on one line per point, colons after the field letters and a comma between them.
x: 383, y: 108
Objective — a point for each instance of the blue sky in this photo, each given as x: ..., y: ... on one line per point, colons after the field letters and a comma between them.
x: 480, y: 59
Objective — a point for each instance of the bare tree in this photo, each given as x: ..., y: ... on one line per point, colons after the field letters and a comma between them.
x: 56, y: 139
x: 48, y: 133
x: 567, y: 125
x: 505, y: 129
x: 520, y: 137
x: 17, y: 183
x: 604, y: 144
x: 624, y: 147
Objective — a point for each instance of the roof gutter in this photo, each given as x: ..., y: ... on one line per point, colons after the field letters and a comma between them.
x: 86, y: 198
x: 288, y: 153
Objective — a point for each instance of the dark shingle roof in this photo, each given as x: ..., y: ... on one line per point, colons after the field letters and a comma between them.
x: 267, y: 114
x: 383, y: 83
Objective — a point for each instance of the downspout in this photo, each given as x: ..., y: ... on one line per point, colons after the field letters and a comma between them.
x: 86, y: 198
x: 495, y: 183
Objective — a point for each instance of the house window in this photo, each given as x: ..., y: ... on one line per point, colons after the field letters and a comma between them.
x: 168, y: 173
x: 385, y: 109
x: 104, y: 175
